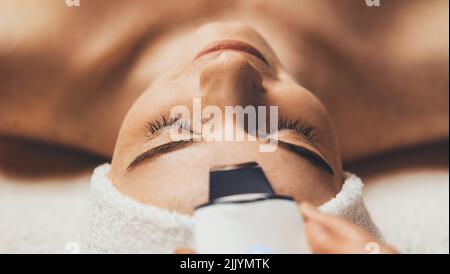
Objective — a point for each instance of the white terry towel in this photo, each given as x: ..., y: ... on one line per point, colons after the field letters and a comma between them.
x: 115, y: 223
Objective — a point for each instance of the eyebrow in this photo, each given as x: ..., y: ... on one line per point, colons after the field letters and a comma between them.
x: 309, y: 155
x: 157, y: 151
x: 152, y: 153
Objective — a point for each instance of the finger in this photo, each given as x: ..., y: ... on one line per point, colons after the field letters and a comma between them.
x: 339, y: 225
x: 348, y: 237
x: 184, y: 251
x: 320, y: 239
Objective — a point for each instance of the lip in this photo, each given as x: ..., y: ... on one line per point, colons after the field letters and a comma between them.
x: 232, y: 45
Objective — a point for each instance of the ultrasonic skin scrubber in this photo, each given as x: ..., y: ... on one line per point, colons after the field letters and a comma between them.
x: 245, y: 216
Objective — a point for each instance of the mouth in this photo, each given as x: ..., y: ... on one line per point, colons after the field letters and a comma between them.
x: 232, y: 45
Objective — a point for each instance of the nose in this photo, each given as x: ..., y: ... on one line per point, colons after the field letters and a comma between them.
x: 229, y: 79
x: 230, y: 29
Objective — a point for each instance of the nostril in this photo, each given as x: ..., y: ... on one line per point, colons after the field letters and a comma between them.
x: 229, y: 69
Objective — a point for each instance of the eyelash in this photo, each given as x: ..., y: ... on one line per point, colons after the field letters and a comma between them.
x: 154, y: 126
x: 297, y: 125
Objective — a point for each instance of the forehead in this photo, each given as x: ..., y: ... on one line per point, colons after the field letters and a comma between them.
x: 182, y: 176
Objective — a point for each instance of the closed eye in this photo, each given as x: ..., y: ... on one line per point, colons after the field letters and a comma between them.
x: 154, y: 127
x: 299, y: 126
x: 310, y: 155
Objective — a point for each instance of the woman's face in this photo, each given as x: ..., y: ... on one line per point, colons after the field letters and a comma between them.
x: 149, y: 167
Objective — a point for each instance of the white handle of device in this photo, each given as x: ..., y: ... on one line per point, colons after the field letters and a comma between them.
x: 267, y: 225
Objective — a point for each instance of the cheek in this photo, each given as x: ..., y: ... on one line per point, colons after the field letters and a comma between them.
x: 294, y: 176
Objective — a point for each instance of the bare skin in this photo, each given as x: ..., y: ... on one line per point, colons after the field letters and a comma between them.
x: 177, y: 178
x: 69, y: 75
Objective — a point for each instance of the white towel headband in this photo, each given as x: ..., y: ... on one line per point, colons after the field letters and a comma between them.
x: 116, y: 223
